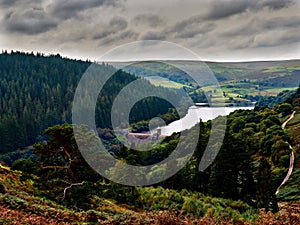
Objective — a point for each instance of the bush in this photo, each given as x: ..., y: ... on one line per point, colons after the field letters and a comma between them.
x: 2, y: 188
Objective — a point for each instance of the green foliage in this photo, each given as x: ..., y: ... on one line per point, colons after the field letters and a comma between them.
x: 10, y: 157
x: 61, y: 164
x: 25, y: 165
x: 193, y: 203
x: 284, y: 108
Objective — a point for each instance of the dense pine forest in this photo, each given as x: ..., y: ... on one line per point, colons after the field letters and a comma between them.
x: 57, y: 185
x: 37, y: 92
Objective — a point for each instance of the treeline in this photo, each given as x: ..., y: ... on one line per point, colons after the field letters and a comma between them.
x: 37, y: 92
x: 270, y: 100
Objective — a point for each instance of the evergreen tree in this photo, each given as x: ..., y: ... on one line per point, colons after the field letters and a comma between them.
x: 265, y: 188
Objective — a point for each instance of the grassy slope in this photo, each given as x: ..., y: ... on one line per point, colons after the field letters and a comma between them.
x: 291, y: 190
x: 163, y: 82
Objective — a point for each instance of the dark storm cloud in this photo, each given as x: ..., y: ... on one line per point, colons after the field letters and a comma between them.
x: 223, y: 9
x: 116, y: 25
x: 31, y: 22
x: 148, y: 20
x: 66, y: 9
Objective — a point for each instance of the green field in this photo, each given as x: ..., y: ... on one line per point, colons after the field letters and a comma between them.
x: 281, y: 69
x: 163, y: 82
x: 236, y: 91
x: 295, y: 120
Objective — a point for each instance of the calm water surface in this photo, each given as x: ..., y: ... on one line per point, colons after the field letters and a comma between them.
x: 195, y: 114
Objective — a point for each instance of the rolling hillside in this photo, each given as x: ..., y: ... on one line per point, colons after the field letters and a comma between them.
x: 269, y: 73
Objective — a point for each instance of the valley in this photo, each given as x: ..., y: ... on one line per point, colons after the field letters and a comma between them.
x: 51, y: 182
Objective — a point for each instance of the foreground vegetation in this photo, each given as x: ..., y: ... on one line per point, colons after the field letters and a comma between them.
x: 21, y: 203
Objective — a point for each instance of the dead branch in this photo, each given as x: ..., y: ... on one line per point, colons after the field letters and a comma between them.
x: 71, y: 185
x: 54, y: 167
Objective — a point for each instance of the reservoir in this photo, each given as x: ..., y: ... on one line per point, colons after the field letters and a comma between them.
x: 195, y: 114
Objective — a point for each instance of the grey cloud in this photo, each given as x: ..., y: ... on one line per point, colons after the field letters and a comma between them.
x: 243, y: 29
x: 128, y: 34
x: 103, y: 34
x: 282, y: 22
x: 277, y: 4
x: 197, y: 24
x: 66, y: 9
x: 179, y: 26
x: 6, y: 3
x: 240, y: 43
x: 116, y: 24
x: 148, y: 20
x: 258, y: 25
x: 190, y: 27
x: 33, y: 21
x: 123, y: 36
x: 273, y: 39
x: 223, y: 9
x: 151, y: 35
x: 190, y: 32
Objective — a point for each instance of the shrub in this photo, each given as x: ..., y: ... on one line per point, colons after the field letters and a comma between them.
x: 2, y: 188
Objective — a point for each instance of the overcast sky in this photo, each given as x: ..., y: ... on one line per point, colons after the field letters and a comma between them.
x: 217, y: 30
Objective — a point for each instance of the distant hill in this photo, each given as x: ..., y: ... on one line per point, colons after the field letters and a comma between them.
x: 266, y: 73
